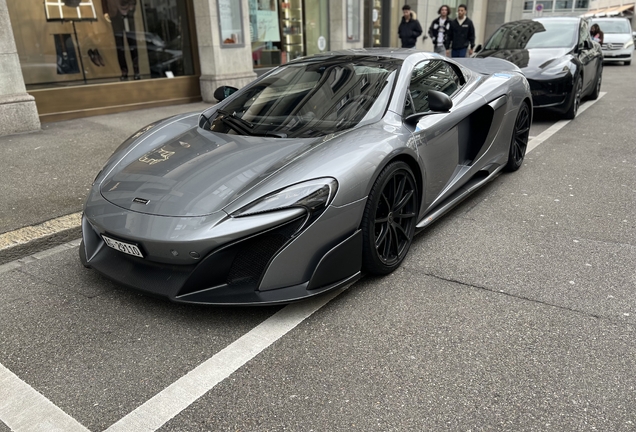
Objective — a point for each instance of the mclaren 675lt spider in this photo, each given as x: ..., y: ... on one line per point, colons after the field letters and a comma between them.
x: 317, y: 172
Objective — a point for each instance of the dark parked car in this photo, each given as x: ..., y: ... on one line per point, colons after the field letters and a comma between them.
x: 558, y: 57
x: 319, y: 170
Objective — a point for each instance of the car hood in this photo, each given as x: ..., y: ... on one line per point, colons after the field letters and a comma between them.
x: 616, y: 38
x: 199, y: 172
x: 530, y: 61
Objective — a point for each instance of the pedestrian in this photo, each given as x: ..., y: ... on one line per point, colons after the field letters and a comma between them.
x: 461, y: 34
x: 597, y: 34
x: 438, y: 29
x: 409, y: 29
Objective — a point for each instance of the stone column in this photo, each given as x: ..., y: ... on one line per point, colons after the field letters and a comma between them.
x: 221, y: 65
x: 18, y: 112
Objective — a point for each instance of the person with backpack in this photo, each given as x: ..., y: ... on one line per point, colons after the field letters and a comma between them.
x: 461, y: 34
x: 438, y: 29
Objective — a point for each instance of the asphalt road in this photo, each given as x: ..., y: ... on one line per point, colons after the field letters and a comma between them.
x: 515, y: 311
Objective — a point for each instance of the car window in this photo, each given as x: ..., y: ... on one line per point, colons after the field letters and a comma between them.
x: 309, y: 98
x: 614, y: 26
x: 430, y: 75
x: 584, y: 32
x: 526, y: 34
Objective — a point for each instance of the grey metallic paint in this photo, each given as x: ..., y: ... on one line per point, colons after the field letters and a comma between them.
x: 194, y: 191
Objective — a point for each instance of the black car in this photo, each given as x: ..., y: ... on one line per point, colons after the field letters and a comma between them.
x: 558, y: 57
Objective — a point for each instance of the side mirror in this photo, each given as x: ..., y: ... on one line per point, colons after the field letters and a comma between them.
x: 223, y: 92
x: 439, y: 102
x: 478, y: 48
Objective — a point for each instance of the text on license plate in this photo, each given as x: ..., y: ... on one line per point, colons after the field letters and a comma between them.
x: 127, y: 248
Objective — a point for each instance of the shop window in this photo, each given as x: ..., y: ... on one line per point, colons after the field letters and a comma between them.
x: 67, y: 42
x: 582, y: 4
x: 230, y: 23
x: 564, y: 4
x: 316, y: 26
x: 528, y: 5
x: 353, y: 20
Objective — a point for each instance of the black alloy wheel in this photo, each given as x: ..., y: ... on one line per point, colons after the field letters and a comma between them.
x: 519, y: 139
x: 388, y: 224
x: 576, y: 99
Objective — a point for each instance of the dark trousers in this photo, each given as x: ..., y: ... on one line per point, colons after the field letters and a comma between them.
x: 459, y: 52
x: 119, y: 29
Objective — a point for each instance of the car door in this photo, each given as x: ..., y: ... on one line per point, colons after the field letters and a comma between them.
x: 436, y: 134
x: 587, y: 56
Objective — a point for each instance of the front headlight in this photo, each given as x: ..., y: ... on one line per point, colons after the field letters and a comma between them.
x: 558, y: 69
x: 628, y: 44
x: 313, y: 195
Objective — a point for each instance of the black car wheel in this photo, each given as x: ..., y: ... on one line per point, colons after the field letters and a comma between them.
x: 389, y: 219
x: 576, y: 99
x: 519, y: 140
x: 597, y: 87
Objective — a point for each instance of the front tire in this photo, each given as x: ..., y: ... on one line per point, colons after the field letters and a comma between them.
x: 597, y: 87
x: 576, y: 99
x: 519, y: 139
x: 388, y: 224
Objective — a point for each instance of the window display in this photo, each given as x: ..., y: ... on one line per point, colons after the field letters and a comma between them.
x: 71, y: 42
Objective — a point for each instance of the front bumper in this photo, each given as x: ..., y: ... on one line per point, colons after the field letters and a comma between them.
x: 245, y: 269
x: 551, y: 93
x: 620, y: 55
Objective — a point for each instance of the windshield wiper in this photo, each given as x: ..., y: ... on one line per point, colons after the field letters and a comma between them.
x: 233, y: 116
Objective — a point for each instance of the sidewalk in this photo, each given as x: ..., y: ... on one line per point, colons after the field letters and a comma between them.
x: 47, y: 174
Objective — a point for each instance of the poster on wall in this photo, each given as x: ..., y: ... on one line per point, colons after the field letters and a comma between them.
x: 230, y: 22
x: 264, y: 22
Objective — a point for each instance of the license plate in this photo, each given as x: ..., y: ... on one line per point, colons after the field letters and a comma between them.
x: 126, y: 248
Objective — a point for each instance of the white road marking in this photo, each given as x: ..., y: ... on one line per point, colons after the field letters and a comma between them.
x: 24, y: 235
x: 539, y: 139
x: 22, y: 408
x: 166, y: 404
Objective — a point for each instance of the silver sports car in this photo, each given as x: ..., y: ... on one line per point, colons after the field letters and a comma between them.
x: 319, y: 171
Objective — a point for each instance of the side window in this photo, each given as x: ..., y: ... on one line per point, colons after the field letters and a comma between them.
x: 584, y: 32
x: 430, y: 75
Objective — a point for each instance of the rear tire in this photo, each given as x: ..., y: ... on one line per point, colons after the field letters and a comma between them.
x: 577, y: 89
x: 519, y: 139
x: 388, y: 224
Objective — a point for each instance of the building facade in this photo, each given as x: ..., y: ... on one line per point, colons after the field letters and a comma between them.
x: 62, y: 59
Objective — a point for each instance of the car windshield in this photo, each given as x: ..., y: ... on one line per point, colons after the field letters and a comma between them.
x: 526, y: 34
x: 615, y: 26
x: 310, y: 98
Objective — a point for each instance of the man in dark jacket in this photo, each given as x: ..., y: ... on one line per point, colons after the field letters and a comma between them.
x: 438, y: 29
x: 461, y: 35
x: 409, y: 29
